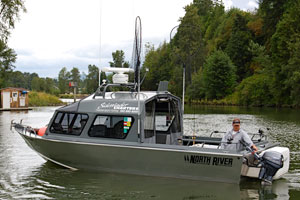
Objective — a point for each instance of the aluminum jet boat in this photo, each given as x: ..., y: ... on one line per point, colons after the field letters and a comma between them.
x: 141, y: 133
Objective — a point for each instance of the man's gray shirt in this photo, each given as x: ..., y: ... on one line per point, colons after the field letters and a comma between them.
x: 232, y: 142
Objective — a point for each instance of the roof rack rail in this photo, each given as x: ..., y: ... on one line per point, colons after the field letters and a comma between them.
x: 101, y: 90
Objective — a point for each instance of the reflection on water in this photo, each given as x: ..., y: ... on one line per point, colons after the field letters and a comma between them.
x: 23, y: 174
x: 54, y: 182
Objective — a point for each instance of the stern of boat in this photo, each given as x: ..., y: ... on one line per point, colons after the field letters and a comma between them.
x: 253, y: 171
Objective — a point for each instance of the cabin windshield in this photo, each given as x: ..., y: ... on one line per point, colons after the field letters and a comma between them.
x: 68, y: 123
x: 162, y: 123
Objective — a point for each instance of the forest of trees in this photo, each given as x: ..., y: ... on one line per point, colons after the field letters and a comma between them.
x: 86, y: 83
x: 231, y: 56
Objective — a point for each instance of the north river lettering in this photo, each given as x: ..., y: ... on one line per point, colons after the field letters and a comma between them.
x: 206, y: 160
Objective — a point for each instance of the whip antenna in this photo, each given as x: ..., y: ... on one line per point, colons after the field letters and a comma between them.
x: 137, y: 49
x: 136, y: 62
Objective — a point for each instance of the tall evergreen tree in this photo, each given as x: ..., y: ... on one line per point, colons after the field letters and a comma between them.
x: 119, y: 59
x: 188, y: 42
x: 92, y: 79
x: 75, y: 75
x: 218, y: 75
x: 238, y: 47
x: 63, y: 80
x: 271, y: 12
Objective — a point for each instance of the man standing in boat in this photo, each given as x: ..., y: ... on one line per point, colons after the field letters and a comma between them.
x: 236, y: 139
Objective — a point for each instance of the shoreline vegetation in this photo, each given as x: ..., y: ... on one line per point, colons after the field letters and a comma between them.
x: 225, y: 102
x: 37, y: 99
x: 71, y: 96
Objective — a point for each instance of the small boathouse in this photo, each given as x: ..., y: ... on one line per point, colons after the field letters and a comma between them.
x: 14, y: 98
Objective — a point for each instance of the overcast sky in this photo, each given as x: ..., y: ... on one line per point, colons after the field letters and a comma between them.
x: 75, y: 33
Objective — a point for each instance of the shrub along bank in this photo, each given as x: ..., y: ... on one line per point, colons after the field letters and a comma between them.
x: 43, y: 99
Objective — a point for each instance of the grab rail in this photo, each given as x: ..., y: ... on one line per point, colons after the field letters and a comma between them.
x: 204, y: 142
x: 131, y: 86
x: 22, y: 128
x: 260, y: 134
x: 216, y: 132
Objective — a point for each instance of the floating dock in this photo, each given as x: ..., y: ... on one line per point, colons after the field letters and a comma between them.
x: 15, y: 109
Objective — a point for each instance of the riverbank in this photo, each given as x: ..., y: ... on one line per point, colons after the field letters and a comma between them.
x: 230, y: 102
x: 71, y: 96
x: 43, y: 99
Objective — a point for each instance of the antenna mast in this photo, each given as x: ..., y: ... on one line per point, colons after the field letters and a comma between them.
x: 100, y: 43
x: 136, y: 62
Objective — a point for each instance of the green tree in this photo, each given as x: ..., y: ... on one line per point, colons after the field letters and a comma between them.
x: 187, y: 44
x: 261, y: 61
x: 7, y: 58
x: 92, y: 79
x: 271, y: 12
x: 119, y: 59
x: 238, y: 47
x: 9, y: 13
x: 75, y: 75
x: 197, y: 89
x: 50, y: 86
x: 36, y: 84
x: 285, y: 56
x: 218, y: 76
x: 16, y: 79
x: 29, y: 77
x: 63, y: 80
x: 175, y: 83
x: 159, y: 64
x: 255, y: 91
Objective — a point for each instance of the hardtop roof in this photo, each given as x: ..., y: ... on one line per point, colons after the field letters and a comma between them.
x: 116, y: 102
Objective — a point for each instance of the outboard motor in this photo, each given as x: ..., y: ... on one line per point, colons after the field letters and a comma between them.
x: 271, y: 162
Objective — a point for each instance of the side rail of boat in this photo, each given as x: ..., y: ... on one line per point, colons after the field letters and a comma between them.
x: 23, y: 129
x: 256, y: 137
x: 259, y: 139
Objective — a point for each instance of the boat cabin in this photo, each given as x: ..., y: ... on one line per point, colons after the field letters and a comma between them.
x: 115, y: 115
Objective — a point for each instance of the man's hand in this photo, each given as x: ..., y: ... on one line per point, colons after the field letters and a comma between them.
x: 254, y: 148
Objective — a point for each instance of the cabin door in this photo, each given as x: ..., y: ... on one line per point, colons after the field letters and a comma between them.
x: 6, y: 99
x: 22, y: 101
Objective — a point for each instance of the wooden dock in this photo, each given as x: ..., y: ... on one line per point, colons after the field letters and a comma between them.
x: 15, y: 109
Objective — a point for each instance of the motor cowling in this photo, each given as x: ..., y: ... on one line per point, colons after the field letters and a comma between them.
x: 271, y: 162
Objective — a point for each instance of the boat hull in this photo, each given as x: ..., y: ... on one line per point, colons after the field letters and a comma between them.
x: 139, y: 159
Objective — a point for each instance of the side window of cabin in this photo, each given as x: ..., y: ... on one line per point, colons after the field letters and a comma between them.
x: 111, y: 127
x: 161, y: 117
x: 69, y: 123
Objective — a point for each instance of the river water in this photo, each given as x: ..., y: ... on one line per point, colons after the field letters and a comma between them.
x: 25, y: 175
